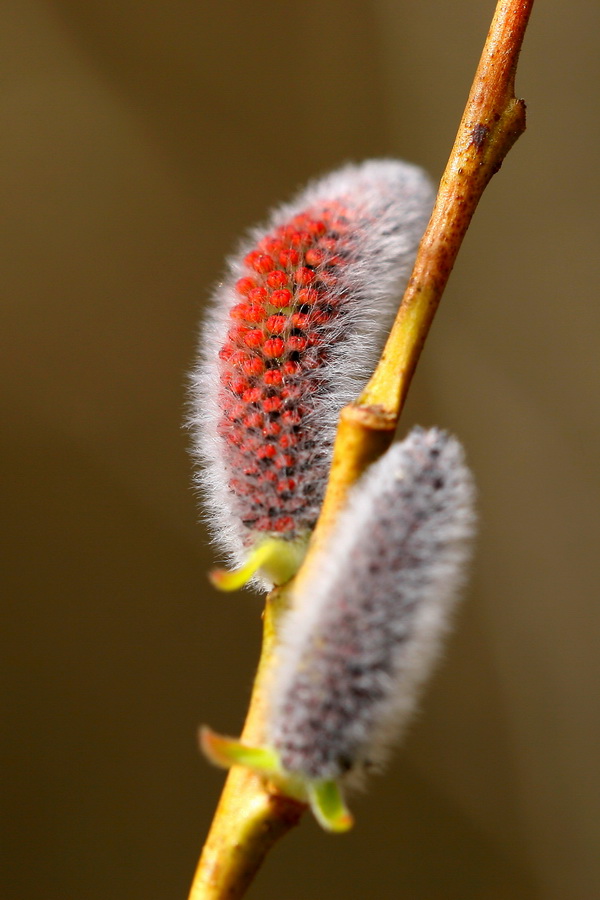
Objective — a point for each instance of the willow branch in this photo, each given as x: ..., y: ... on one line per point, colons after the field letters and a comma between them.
x: 492, y: 121
x: 252, y: 815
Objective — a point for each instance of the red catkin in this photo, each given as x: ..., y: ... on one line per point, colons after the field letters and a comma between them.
x: 292, y: 333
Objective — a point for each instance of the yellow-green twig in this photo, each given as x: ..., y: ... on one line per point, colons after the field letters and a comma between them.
x: 252, y: 815
x: 492, y: 121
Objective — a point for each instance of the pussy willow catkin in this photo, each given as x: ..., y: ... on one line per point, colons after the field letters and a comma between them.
x: 365, y: 631
x: 293, y: 331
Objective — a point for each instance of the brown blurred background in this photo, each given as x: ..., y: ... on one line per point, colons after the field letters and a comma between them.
x: 137, y: 140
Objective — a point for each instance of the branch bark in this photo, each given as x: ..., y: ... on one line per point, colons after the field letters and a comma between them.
x: 492, y: 121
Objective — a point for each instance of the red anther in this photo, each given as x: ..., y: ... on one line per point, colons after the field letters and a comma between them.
x: 253, y: 420
x: 336, y: 261
x: 300, y: 221
x: 267, y: 451
x: 269, y: 475
x: 283, y: 524
x: 238, y: 358
x: 286, y: 441
x: 286, y: 485
x: 225, y: 352
x: 251, y: 442
x: 245, y: 488
x: 301, y: 239
x: 329, y: 243
x: 281, y: 298
x: 271, y: 429
x: 314, y: 256
x: 239, y: 385
x: 256, y: 314
x: 235, y: 436
x: 258, y: 295
x: 248, y: 312
x: 297, y: 343
x: 272, y: 404
x: 285, y: 461
x: 292, y: 392
x: 264, y: 523
x: 276, y: 324
x: 243, y: 285
x: 273, y: 377
x: 274, y: 348
x: 236, y: 333
x: 271, y: 245
x: 319, y: 318
x: 288, y: 231
x: 254, y: 338
x: 316, y: 227
x: 299, y: 320
x: 238, y: 312
x: 304, y: 276
x: 260, y: 262
x: 291, y: 367
x: 289, y: 257
x: 253, y: 366
x: 307, y: 295
x: 292, y: 417
x: 252, y: 395
x: 277, y: 279
x: 233, y: 409
x: 251, y: 471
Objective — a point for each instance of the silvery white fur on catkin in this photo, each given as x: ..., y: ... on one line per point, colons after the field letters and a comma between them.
x: 399, y: 197
x: 360, y: 640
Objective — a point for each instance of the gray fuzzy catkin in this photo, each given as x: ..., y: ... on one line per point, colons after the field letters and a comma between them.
x: 360, y: 640
x: 264, y: 452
